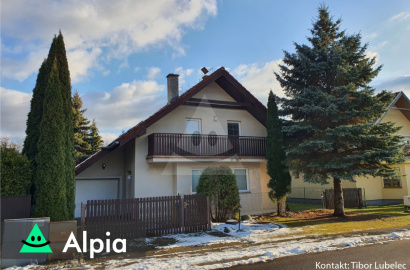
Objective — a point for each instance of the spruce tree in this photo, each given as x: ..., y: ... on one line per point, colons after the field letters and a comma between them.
x: 94, y: 139
x: 51, y: 198
x: 280, y: 182
x: 333, y: 109
x: 81, y: 127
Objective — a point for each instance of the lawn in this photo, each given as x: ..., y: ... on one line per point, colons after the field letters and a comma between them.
x: 312, y: 219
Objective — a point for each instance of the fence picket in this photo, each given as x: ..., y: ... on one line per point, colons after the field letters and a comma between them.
x: 129, y: 218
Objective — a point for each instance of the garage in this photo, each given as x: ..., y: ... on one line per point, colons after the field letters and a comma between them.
x: 94, y: 189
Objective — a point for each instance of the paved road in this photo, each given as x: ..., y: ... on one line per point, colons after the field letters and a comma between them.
x: 374, y: 257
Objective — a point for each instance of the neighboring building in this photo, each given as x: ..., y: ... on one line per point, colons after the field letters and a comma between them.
x: 217, y: 122
x: 376, y: 190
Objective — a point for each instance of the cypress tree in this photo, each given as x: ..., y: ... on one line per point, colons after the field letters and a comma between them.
x: 56, y: 57
x: 33, y: 121
x: 81, y: 127
x: 333, y: 134
x: 69, y: 153
x: 280, y: 182
x: 49, y: 177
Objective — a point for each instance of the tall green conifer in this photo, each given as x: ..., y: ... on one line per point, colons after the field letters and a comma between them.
x: 55, y: 62
x: 69, y: 154
x: 280, y: 181
x: 51, y: 198
x: 34, y: 119
x: 333, y: 135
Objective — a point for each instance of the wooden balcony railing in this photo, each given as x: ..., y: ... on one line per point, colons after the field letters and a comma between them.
x: 162, y: 144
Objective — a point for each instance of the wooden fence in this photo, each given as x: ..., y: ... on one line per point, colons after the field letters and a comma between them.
x: 140, y: 217
x: 15, y: 207
x: 352, y: 198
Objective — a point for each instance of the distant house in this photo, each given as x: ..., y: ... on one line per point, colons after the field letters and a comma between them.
x: 217, y: 122
x: 376, y: 190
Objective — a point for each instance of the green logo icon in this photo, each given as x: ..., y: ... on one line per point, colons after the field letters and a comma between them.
x: 36, y: 242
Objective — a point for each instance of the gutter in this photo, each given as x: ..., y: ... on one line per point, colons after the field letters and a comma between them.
x: 111, y: 146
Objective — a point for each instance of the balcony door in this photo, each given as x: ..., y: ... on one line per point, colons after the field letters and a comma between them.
x: 193, y: 127
x: 234, y: 132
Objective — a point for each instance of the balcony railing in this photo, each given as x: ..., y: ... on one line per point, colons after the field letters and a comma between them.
x: 162, y: 144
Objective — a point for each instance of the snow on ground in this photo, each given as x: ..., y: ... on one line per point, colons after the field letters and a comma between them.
x: 254, y: 243
x: 228, y: 233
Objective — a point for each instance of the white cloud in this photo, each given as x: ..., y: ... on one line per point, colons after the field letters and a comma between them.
x: 123, y: 65
x: 118, y: 28
x: 401, y: 16
x: 370, y: 54
x: 20, y: 70
x: 80, y: 61
x: 15, y: 106
x: 183, y: 75
x: 125, y: 106
x: 153, y: 72
x: 259, y: 79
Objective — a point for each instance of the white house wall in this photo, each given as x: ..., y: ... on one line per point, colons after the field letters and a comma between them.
x: 172, y: 178
x: 149, y: 179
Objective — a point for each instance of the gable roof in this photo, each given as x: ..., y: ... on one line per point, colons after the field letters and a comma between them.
x: 402, y: 103
x: 226, y: 81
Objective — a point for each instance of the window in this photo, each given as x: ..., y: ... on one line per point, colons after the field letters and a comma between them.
x: 392, y: 181
x: 241, y: 179
x: 192, y: 126
x: 195, y: 179
x: 233, y: 129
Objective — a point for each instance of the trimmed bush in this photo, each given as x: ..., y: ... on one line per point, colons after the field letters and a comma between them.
x: 220, y: 184
x: 15, y: 171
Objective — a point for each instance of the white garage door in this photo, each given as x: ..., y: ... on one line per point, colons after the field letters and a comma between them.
x: 94, y: 190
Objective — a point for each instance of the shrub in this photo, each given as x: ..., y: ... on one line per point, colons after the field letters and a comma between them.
x: 15, y: 171
x: 220, y: 184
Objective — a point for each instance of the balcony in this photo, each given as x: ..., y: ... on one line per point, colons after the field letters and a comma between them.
x: 183, y: 145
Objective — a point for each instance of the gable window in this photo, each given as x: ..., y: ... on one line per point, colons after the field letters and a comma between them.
x: 392, y: 181
x: 192, y: 126
x: 241, y: 179
x: 195, y: 179
x: 233, y: 129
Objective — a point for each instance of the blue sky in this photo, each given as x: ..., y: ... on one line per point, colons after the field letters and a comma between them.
x: 119, y: 52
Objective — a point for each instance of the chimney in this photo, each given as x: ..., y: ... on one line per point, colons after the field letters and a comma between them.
x: 172, y: 82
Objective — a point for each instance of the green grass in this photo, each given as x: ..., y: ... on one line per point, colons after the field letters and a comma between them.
x: 298, y: 207
x: 385, y: 210
x: 376, y: 217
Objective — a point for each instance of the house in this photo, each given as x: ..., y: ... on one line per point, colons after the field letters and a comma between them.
x: 375, y: 190
x: 217, y: 122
